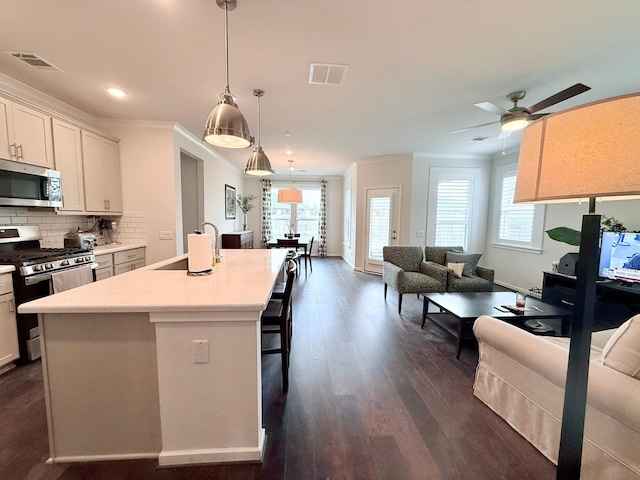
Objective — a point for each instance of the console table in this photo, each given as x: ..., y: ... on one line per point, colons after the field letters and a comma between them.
x: 615, y: 304
x: 242, y: 239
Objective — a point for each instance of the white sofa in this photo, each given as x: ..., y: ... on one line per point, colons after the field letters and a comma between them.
x: 521, y: 377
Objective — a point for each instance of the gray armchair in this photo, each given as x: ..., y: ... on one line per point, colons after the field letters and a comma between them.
x: 476, y: 279
x: 405, y: 271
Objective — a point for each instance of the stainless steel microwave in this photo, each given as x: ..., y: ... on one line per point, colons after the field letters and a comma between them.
x: 24, y: 185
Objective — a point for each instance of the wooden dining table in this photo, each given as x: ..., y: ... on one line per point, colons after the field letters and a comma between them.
x: 303, y: 242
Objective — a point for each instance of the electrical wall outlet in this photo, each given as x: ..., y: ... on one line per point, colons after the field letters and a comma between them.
x: 419, y: 233
x: 200, y: 351
x: 166, y: 235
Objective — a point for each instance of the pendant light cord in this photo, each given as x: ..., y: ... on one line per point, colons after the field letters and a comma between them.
x: 226, y: 45
x: 259, y: 120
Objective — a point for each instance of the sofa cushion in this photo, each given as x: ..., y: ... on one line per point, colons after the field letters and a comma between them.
x: 457, y: 268
x: 622, y: 351
x: 470, y: 261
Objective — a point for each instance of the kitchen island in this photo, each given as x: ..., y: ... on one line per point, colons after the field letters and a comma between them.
x: 158, y: 364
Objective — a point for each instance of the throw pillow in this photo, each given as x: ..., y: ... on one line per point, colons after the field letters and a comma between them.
x: 622, y: 351
x: 470, y: 261
x: 457, y: 268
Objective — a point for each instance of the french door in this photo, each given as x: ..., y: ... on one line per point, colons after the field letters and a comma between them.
x: 382, y: 225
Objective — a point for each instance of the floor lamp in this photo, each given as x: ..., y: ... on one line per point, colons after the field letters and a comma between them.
x: 585, y: 153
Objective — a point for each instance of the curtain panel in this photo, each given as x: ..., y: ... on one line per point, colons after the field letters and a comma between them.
x: 322, y: 221
x: 266, y: 212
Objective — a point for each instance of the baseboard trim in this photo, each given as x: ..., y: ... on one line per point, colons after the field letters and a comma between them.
x: 214, y: 455
x: 102, y: 458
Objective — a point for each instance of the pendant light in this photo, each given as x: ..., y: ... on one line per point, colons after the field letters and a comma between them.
x: 290, y: 195
x: 258, y: 163
x: 226, y: 127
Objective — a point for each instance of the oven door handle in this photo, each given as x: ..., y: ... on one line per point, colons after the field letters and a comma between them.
x: 45, y: 277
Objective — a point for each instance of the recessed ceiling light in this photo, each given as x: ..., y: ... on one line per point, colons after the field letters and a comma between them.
x: 116, y: 92
x: 288, y: 152
x: 287, y: 133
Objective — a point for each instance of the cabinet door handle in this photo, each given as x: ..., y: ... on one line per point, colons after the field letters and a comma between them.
x: 19, y: 150
x: 12, y: 150
x: 12, y: 305
x: 567, y: 303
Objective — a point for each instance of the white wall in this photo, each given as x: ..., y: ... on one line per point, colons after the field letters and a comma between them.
x: 521, y: 269
x: 350, y: 181
x: 422, y: 165
x: 381, y: 172
x: 150, y: 169
x: 146, y: 165
x: 217, y: 172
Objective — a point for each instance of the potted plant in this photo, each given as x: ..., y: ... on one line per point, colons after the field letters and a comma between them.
x: 245, y: 203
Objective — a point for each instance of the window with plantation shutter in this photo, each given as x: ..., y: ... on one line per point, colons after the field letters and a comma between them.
x: 450, y: 206
x: 347, y: 218
x: 516, y: 225
x: 453, y: 211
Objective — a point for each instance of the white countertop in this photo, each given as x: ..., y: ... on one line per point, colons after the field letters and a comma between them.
x: 116, y: 247
x: 7, y: 268
x: 242, y: 281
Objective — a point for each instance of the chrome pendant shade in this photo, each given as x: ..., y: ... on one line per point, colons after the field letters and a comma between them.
x: 226, y: 127
x: 290, y: 195
x: 258, y: 163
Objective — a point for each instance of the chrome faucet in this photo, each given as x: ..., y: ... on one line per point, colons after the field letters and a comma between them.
x: 216, y: 239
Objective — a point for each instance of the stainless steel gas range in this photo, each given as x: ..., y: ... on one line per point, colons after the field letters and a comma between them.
x: 20, y: 247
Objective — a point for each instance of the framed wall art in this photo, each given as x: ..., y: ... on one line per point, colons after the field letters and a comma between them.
x: 229, y: 202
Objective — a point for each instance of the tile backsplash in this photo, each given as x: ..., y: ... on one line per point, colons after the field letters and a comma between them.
x: 131, y: 225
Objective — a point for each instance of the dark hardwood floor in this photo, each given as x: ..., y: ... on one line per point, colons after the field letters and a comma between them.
x: 372, y: 396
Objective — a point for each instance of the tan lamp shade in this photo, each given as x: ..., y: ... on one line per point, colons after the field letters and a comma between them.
x: 290, y: 195
x: 591, y: 151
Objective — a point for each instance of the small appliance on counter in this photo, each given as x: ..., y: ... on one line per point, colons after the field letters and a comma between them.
x: 80, y: 239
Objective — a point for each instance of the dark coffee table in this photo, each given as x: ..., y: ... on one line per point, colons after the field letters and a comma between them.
x: 458, y: 311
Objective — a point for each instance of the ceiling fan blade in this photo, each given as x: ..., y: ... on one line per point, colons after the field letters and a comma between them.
x: 565, y: 94
x: 491, y: 107
x: 475, y: 126
x: 538, y: 115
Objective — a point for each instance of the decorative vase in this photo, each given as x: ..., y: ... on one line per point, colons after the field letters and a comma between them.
x: 244, y: 220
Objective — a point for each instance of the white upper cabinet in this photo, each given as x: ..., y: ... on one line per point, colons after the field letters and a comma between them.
x: 5, y: 142
x: 102, y: 184
x: 25, y: 135
x: 67, y: 148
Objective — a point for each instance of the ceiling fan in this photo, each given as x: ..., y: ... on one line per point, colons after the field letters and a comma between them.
x: 517, y: 118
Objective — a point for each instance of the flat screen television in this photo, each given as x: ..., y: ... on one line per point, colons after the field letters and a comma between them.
x: 620, y: 257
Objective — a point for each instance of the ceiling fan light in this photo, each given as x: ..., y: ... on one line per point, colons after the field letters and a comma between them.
x: 290, y: 195
x: 226, y: 126
x: 514, y: 124
x: 258, y: 163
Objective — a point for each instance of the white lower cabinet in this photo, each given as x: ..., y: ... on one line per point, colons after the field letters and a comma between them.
x: 110, y: 264
x: 8, y: 328
x: 105, y: 266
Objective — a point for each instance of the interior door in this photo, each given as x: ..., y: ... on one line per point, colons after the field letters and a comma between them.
x: 382, y: 225
x: 191, y: 177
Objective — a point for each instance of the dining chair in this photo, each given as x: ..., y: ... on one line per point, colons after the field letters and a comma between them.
x: 292, y: 245
x: 307, y: 255
x: 277, y: 318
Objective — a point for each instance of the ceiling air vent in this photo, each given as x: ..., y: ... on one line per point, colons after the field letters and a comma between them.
x: 327, y: 74
x: 34, y: 60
